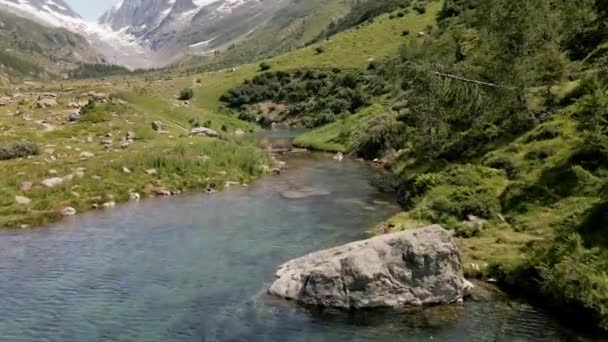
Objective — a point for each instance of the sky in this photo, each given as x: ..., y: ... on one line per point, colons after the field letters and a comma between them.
x: 91, y: 9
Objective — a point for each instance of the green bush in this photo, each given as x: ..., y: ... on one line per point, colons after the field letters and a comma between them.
x: 313, y: 97
x: 264, y: 66
x: 465, y: 201
x: 420, y: 8
x: 502, y: 163
x: 98, y: 113
x: 537, y: 154
x: 20, y: 149
x: 573, y: 269
x: 544, y: 132
x: 186, y: 94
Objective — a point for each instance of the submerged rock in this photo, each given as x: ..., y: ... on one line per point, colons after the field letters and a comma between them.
x: 304, y: 193
x: 68, y: 211
x: 411, y: 268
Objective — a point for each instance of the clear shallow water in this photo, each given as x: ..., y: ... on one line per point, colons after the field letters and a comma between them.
x: 196, y: 267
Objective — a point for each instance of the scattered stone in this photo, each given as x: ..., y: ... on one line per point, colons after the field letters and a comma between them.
x: 126, y: 170
x: 279, y: 164
x: 275, y: 171
x: 5, y: 100
x: 239, y: 133
x: 210, y: 191
x: 74, y: 116
x: 68, y: 211
x: 125, y: 144
x: 100, y: 97
x: 411, y: 268
x: 204, y: 132
x: 151, y: 172
x: 89, y: 139
x: 339, y: 157
x: 74, y: 105
x: 22, y: 200
x: 134, y: 196
x: 421, y: 34
x: 46, y: 102
x: 26, y: 186
x: 86, y: 154
x: 157, y: 126
x: 109, y: 205
x: 229, y: 184
x: 52, y: 182
x: 131, y: 135
x: 161, y: 192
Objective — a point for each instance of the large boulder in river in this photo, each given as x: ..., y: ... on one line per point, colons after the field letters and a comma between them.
x: 411, y: 268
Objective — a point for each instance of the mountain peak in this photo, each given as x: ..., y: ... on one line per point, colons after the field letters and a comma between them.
x: 49, y: 12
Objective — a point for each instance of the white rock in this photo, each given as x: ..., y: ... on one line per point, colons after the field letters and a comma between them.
x: 22, y: 200
x: 411, y: 268
x: 109, y: 205
x: 204, y: 132
x: 86, y: 154
x: 52, y: 182
x: 68, y: 211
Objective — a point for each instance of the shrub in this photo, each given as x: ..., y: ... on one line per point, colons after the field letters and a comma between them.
x: 539, y: 154
x: 545, y: 132
x: 98, y: 113
x: 465, y: 201
x: 505, y: 164
x: 186, y: 94
x: 20, y: 149
x: 420, y: 8
x: 319, y: 50
x: 264, y: 66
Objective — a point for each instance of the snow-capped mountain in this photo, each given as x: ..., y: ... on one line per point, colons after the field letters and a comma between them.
x: 153, y: 33
x: 173, y: 28
x: 115, y: 46
x: 49, y: 12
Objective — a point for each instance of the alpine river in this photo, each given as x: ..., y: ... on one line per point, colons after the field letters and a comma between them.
x: 196, y: 268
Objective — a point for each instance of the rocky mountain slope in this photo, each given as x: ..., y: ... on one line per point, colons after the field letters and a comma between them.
x: 29, y: 50
x: 170, y: 29
x: 155, y: 33
x: 116, y: 47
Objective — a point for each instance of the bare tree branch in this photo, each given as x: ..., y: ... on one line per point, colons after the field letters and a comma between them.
x: 487, y: 84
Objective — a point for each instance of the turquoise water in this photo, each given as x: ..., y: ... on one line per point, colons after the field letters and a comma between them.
x: 196, y: 268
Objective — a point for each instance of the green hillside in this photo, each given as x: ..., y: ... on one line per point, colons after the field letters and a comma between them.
x: 495, y: 129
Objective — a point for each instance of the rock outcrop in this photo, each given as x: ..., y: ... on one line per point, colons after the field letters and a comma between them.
x: 411, y: 268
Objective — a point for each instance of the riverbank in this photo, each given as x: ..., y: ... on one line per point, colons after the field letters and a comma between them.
x: 197, y: 267
x: 62, y: 157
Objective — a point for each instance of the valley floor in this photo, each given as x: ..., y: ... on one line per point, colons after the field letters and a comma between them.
x: 133, y: 142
